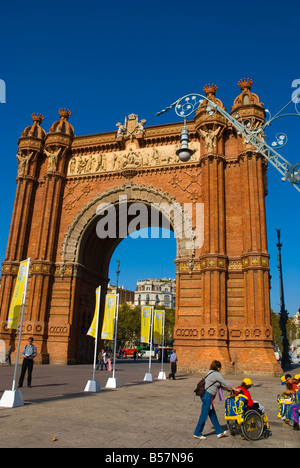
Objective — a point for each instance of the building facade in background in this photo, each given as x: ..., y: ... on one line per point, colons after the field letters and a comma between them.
x: 155, y: 292
x: 125, y: 295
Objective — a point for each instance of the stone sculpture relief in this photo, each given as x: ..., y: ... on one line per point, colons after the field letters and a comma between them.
x: 132, y: 128
x: 131, y: 158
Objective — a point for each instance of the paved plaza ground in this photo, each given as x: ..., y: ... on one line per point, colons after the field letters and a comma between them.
x: 143, y: 415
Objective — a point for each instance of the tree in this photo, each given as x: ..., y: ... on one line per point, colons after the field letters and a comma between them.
x: 276, y: 329
x: 129, y: 323
x: 293, y: 331
x: 169, y: 326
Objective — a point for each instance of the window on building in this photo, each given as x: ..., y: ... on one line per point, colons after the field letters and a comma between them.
x: 167, y: 299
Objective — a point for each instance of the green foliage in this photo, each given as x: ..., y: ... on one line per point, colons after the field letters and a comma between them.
x: 276, y: 329
x: 293, y: 331
x: 129, y: 323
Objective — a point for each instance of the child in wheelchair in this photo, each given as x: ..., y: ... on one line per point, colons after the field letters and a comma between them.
x: 249, y: 404
x: 245, y: 416
x: 289, y: 400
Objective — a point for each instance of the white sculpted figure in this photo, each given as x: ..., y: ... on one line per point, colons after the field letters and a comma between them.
x: 52, y: 159
x: 23, y: 161
x: 210, y: 138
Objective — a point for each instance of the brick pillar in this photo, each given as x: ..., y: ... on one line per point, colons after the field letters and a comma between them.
x: 56, y: 153
x: 256, y: 347
x: 213, y: 262
x: 29, y: 154
x: 204, y: 334
x: 250, y: 334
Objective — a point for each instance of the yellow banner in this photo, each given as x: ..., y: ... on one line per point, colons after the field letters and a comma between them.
x: 158, y: 326
x: 145, y: 324
x: 17, y: 299
x: 109, y: 317
x: 93, y: 328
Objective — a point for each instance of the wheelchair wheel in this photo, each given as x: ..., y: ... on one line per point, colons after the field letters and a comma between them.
x: 253, y: 425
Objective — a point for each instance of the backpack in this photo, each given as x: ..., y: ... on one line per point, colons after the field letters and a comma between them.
x: 200, y: 389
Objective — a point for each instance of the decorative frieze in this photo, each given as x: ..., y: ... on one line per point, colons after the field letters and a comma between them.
x: 255, y: 261
x: 250, y: 333
x: 132, y: 157
x: 251, y: 261
x: 194, y: 265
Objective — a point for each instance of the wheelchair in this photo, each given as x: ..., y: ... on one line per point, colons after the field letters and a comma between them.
x: 247, y: 422
x: 284, y: 407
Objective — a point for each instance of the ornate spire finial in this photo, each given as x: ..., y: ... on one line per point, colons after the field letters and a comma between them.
x: 63, y: 126
x: 245, y: 84
x: 37, y: 118
x: 210, y: 89
x: 64, y: 113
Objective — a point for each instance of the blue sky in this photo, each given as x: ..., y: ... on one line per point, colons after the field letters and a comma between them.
x: 105, y: 60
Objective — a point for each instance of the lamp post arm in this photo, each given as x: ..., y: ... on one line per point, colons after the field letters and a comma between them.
x: 188, y: 104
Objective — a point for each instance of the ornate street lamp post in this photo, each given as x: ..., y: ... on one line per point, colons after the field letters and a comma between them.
x: 285, y: 362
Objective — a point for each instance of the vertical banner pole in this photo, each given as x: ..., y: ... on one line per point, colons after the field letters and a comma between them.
x: 113, y: 382
x: 151, y: 338
x: 21, y: 326
x: 97, y: 329
x: 14, y: 398
x: 93, y: 385
x: 163, y: 341
x: 115, y: 335
x: 162, y: 375
x: 148, y: 375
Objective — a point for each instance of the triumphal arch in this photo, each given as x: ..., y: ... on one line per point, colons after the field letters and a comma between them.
x: 222, y: 298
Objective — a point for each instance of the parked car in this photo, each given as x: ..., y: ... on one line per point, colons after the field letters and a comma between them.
x: 129, y: 352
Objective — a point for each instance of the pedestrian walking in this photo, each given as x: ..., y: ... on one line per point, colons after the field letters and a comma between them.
x: 103, y: 360
x: 99, y: 360
x: 213, y: 381
x: 109, y: 355
x: 29, y: 353
x: 8, y: 354
x: 173, y: 363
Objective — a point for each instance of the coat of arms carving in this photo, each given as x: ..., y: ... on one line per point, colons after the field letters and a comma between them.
x: 131, y: 129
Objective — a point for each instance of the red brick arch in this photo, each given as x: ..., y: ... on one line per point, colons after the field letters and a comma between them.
x: 222, y: 286
x: 134, y: 193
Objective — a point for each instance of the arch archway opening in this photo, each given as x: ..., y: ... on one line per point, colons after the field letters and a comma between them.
x: 142, y: 228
